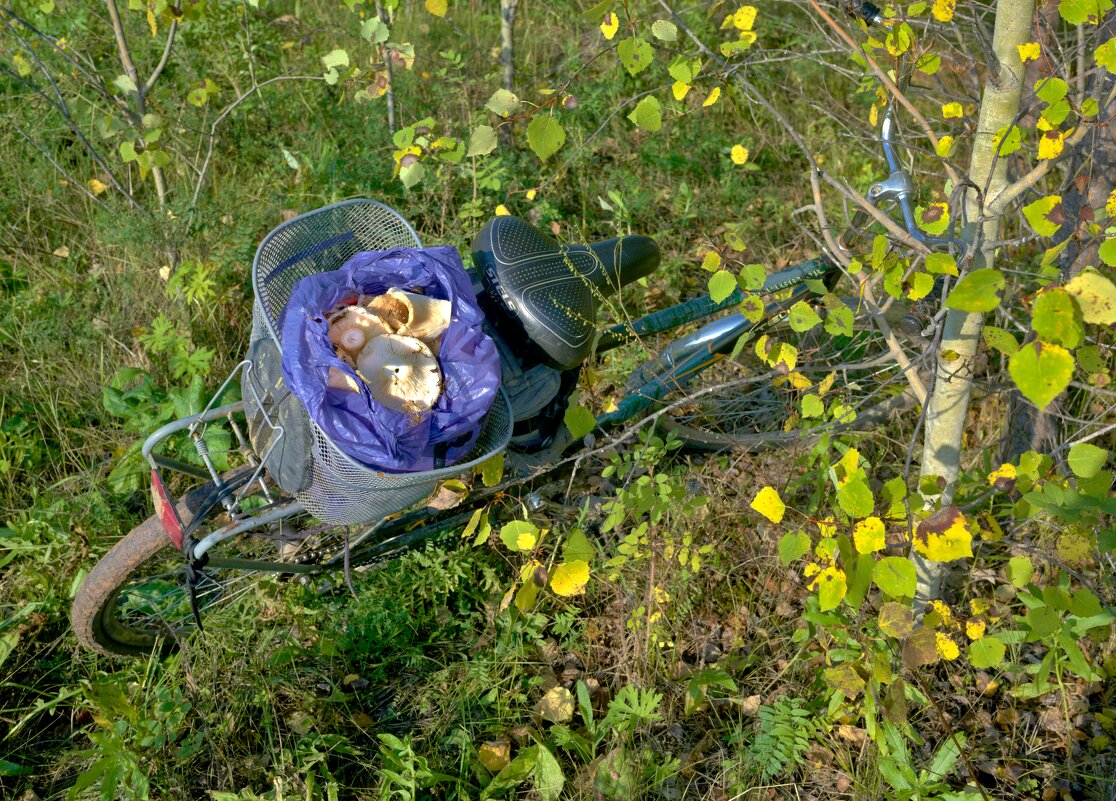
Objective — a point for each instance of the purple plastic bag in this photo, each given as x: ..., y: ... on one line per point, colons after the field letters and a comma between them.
x: 360, y: 426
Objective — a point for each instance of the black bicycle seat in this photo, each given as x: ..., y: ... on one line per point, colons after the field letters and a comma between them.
x: 552, y: 291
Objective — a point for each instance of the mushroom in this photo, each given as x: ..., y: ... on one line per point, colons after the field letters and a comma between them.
x: 350, y: 330
x: 389, y: 309
x: 339, y: 379
x: 401, y: 372
x: 427, y: 318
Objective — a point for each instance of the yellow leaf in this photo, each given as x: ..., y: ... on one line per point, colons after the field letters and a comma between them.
x: 768, y: 503
x: 711, y: 261
x: 437, y: 7
x: 712, y: 97
x: 1052, y: 141
x: 1110, y: 205
x: 951, y: 110
x: 610, y: 25
x: 680, y: 90
x: 1005, y: 471
x: 151, y: 23
x: 799, y: 381
x: 557, y: 706
x: 744, y: 18
x: 946, y: 147
x: 502, y: 211
x: 869, y: 535
x: 827, y: 528
x: 531, y: 193
x: 96, y: 186
x: 974, y: 629
x: 944, y: 536
x: 947, y: 648
x: 1029, y: 51
x: 739, y: 154
x: 570, y: 578
x: 525, y: 541
x: 610, y: 406
x: 874, y: 115
x: 831, y: 585
x: 943, y: 10
x: 495, y: 755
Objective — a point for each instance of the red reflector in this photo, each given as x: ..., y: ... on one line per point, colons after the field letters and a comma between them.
x: 164, y: 508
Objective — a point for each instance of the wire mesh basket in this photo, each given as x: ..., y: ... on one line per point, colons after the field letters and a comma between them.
x: 332, y: 486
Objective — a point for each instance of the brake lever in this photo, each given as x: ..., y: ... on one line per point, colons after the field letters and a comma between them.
x: 897, y: 188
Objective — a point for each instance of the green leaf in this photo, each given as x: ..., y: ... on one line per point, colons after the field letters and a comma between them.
x: 839, y: 321
x: 752, y: 309
x: 335, y: 58
x: 1096, y: 295
x: 482, y: 141
x: 579, y: 420
x: 1076, y: 12
x: 832, y: 587
x: 502, y: 103
x: 941, y: 264
x: 648, y: 114
x: 1086, y: 459
x: 895, y: 575
x: 855, y: 499
x: 801, y: 317
x: 124, y: 84
x: 684, y: 69
x: 545, y: 136
x: 752, y: 276
x: 812, y: 406
x: 793, y: 546
x: 128, y: 151
x: 519, y: 535
x: 1037, y: 214
x: 721, y: 284
x: 597, y: 12
x: 1105, y: 55
x: 986, y: 652
x: 1057, y: 318
x: 1020, y: 569
x: 977, y: 292
x: 1107, y: 251
x: 577, y: 548
x: 548, y: 775
x: 664, y: 30
x: 1050, y: 90
x: 1008, y: 140
x: 920, y: 286
x: 374, y: 30
x: 492, y: 470
x: 635, y: 54
x: 1041, y: 371
x: 1001, y: 340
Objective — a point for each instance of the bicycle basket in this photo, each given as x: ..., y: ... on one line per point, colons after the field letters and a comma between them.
x: 332, y: 486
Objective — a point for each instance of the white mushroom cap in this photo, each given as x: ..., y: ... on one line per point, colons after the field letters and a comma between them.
x: 391, y: 310
x: 427, y: 318
x: 351, y: 329
x: 401, y: 372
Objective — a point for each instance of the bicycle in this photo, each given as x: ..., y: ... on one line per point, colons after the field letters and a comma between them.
x: 541, y: 300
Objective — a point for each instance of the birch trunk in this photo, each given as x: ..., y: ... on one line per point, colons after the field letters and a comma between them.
x: 948, y: 406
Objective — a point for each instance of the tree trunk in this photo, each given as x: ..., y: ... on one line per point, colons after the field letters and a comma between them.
x: 507, y: 57
x: 947, y: 409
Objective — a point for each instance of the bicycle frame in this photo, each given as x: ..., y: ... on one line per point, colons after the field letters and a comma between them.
x: 671, y: 369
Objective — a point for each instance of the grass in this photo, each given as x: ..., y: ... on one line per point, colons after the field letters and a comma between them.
x: 707, y: 673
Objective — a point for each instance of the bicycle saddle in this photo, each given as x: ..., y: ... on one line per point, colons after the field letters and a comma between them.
x: 552, y: 291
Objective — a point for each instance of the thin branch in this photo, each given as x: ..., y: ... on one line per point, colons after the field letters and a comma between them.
x: 150, y: 82
x: 220, y: 117
x: 1011, y: 192
x: 57, y: 166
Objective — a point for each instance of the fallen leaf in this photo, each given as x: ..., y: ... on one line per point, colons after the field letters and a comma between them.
x: 557, y: 706
x: 62, y: 252
x: 495, y: 755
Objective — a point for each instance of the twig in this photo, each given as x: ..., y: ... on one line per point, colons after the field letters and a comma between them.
x: 57, y: 166
x: 150, y: 82
x: 220, y: 117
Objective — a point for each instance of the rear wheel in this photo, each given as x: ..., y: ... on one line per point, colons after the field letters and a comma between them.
x: 135, y: 600
x: 734, y: 404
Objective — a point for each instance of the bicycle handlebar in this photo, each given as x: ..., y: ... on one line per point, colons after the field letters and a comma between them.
x: 898, y: 186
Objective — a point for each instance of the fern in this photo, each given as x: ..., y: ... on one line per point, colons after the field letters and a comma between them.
x: 786, y: 729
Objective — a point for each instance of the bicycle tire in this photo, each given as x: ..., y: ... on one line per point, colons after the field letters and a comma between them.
x: 749, y: 414
x: 92, y: 614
